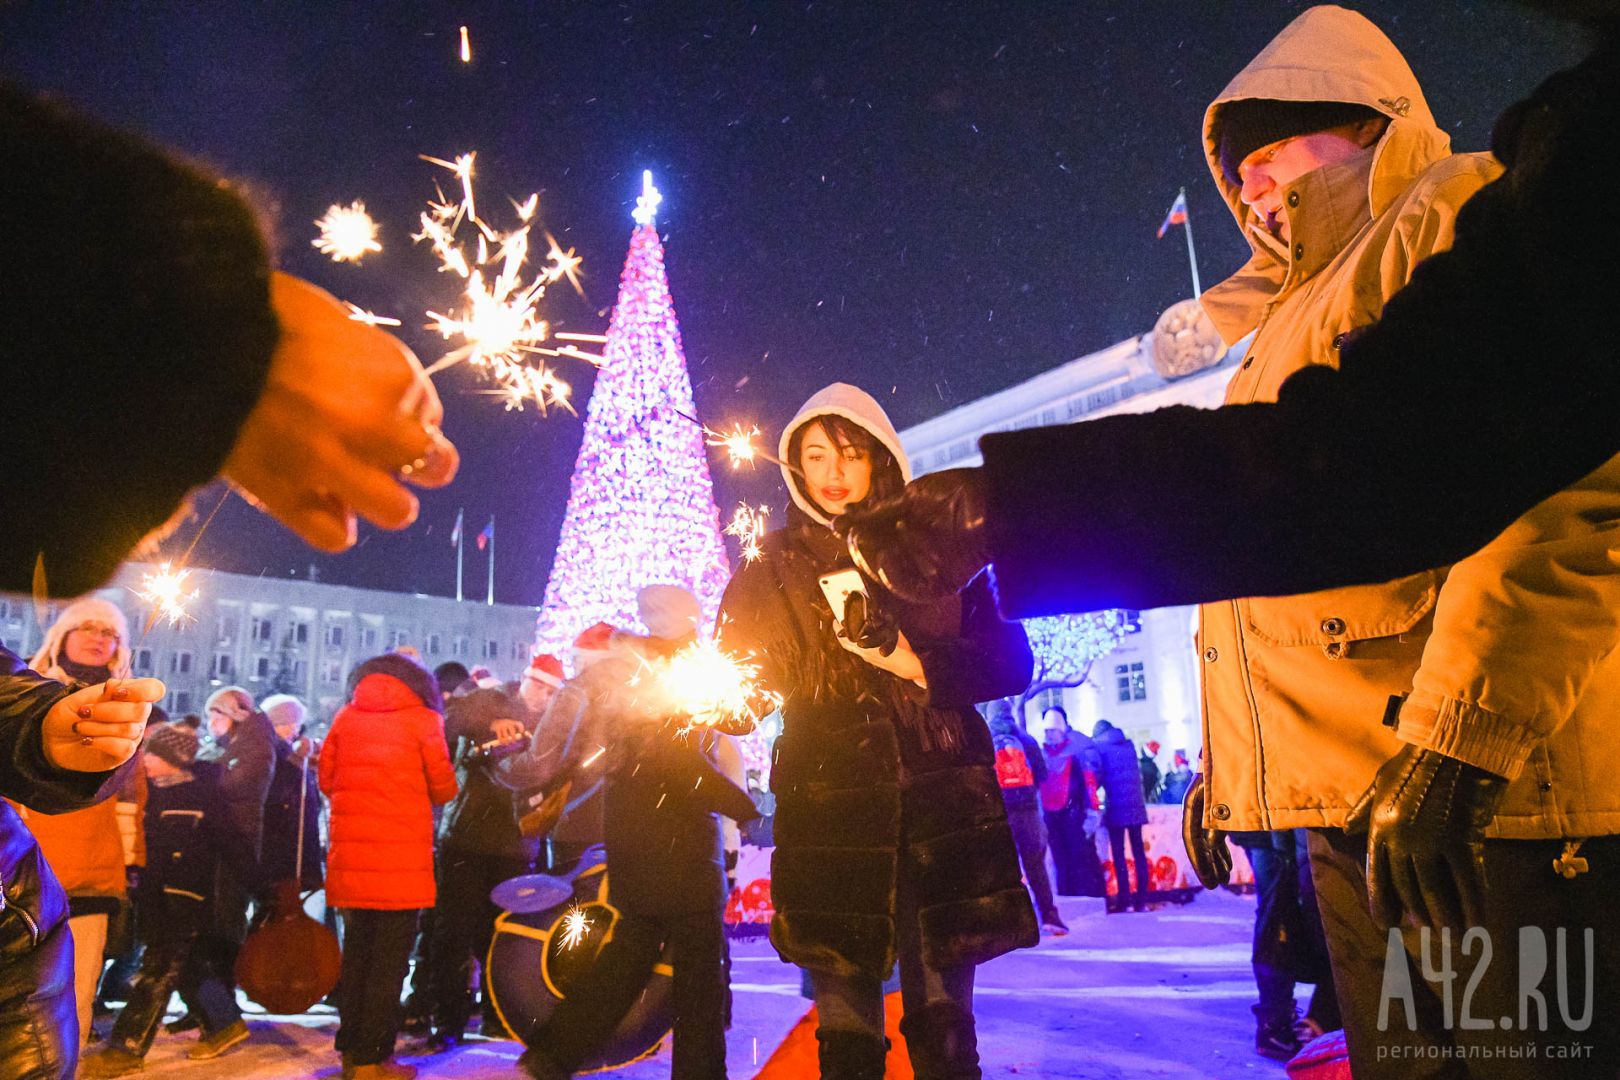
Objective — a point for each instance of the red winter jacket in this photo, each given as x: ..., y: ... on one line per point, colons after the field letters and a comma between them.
x: 383, y: 766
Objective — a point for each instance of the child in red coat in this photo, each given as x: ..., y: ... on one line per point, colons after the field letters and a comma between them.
x: 384, y: 766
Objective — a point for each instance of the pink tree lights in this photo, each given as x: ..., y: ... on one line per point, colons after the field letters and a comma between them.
x: 641, y: 507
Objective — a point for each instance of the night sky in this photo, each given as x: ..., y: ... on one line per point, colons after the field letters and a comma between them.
x: 934, y: 201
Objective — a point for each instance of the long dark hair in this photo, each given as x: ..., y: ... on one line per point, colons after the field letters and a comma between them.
x: 887, y: 479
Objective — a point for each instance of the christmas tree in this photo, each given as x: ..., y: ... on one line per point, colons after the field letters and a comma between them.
x: 641, y: 507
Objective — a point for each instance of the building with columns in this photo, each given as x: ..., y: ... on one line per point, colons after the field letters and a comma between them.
x: 1148, y: 686
x: 276, y: 635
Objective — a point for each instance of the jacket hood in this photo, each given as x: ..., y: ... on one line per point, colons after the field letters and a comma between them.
x: 48, y: 658
x: 858, y: 407
x: 1327, y: 54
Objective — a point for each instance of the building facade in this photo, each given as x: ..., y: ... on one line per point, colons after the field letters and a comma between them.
x: 1148, y: 686
x: 272, y: 635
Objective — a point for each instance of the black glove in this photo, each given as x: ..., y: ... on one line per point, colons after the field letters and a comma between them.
x: 1206, y: 848
x: 867, y: 627
x: 925, y: 543
x: 1425, y: 817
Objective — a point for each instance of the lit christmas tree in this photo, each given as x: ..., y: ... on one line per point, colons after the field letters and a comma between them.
x: 641, y: 507
x: 1066, y: 646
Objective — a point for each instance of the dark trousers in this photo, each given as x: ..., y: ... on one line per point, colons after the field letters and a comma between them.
x: 1287, y: 934
x: 1144, y: 877
x: 1526, y: 904
x: 376, y: 954
x: 464, y: 920
x: 1030, y: 836
x: 596, y: 1004
x: 1076, y: 869
x: 178, y: 958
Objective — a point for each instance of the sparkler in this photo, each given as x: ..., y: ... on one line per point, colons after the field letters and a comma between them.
x: 575, y: 925
x: 498, y: 327
x: 466, y: 47
x: 748, y: 526
x: 714, y: 689
x: 738, y: 443
x: 347, y: 233
x: 166, y: 592
x: 360, y: 314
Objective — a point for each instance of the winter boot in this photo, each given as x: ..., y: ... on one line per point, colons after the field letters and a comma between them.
x: 1274, y: 1036
x: 851, y: 1055
x: 110, y: 1061
x: 942, y: 1042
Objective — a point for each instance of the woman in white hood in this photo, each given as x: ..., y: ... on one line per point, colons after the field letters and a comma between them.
x: 892, y: 844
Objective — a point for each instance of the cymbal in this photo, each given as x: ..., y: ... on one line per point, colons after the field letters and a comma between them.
x: 531, y: 893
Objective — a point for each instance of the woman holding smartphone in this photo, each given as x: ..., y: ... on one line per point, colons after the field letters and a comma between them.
x: 892, y: 845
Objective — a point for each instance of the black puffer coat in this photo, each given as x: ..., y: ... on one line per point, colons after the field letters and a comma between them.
x: 874, y: 778
x: 39, y: 1025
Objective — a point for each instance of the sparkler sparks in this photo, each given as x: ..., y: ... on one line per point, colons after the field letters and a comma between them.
x: 497, y: 326
x: 738, y: 443
x: 715, y: 689
x: 748, y: 526
x: 347, y: 233
x: 575, y: 925
x: 466, y: 47
x: 166, y: 592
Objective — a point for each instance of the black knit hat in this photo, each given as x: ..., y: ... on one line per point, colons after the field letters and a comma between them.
x: 418, y: 679
x: 1245, y: 125
x: 172, y: 743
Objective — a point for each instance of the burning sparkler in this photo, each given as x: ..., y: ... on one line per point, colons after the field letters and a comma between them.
x: 748, y: 526
x: 360, y: 314
x: 498, y: 326
x: 466, y: 47
x: 738, y: 443
x: 347, y: 233
x: 575, y: 925
x: 715, y: 689
x: 166, y: 592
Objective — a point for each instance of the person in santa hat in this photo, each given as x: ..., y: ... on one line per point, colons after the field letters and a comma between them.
x: 570, y: 730
x: 480, y: 843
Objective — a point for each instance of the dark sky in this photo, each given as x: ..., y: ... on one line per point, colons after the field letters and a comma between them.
x: 943, y: 198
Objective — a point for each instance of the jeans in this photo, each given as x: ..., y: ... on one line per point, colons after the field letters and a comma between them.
x: 464, y: 919
x: 595, y: 1005
x: 1076, y: 870
x: 1144, y: 877
x: 176, y: 958
x: 376, y: 954
x: 1029, y: 833
x: 1524, y: 896
x: 1286, y: 934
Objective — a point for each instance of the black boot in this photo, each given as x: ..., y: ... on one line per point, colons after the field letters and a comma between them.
x: 942, y: 1042
x: 851, y: 1055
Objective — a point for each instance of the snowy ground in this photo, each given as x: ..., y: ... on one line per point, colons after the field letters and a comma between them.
x: 1161, y: 994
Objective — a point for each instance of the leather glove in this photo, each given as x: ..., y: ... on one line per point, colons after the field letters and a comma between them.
x: 925, y: 543
x: 1425, y: 817
x: 1206, y: 848
x: 866, y: 626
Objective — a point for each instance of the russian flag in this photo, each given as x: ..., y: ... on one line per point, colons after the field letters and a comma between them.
x: 487, y: 535
x: 1177, y: 214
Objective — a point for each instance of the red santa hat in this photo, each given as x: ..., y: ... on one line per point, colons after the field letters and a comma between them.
x: 593, y: 643
x: 545, y: 668
x: 1153, y: 747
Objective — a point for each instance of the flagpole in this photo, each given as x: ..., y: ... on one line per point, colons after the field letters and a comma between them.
x: 1192, y: 256
x: 490, y: 598
x: 461, y: 541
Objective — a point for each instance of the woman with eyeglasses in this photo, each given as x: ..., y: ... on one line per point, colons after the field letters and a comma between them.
x: 87, y: 645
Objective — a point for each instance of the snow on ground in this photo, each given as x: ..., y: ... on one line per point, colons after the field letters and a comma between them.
x: 1160, y: 994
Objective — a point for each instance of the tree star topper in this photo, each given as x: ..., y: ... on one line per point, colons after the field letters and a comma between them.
x: 646, y: 211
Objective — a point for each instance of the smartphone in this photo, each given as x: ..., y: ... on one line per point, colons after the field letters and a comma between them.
x: 838, y: 586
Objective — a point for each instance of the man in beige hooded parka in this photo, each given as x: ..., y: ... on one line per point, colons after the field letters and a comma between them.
x: 1327, y: 153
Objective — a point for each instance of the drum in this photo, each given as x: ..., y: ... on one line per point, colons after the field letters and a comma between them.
x: 535, y: 956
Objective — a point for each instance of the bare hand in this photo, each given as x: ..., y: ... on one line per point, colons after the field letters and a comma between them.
x: 507, y: 730
x: 98, y: 728
x: 346, y: 413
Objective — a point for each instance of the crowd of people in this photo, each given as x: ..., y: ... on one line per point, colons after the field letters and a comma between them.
x: 1427, y: 733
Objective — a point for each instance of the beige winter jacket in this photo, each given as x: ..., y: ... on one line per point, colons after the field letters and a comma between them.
x: 1497, y: 651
